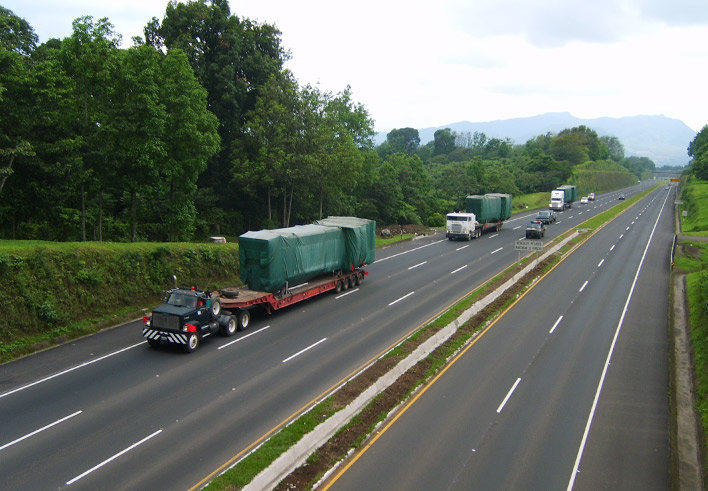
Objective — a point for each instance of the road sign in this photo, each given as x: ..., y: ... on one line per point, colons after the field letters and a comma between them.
x: 528, y: 245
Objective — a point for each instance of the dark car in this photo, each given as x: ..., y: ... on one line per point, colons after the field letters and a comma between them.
x: 546, y: 217
x: 535, y: 230
x: 621, y: 196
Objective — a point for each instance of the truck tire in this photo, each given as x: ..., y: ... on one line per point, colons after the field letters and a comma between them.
x: 229, y: 327
x: 338, y: 287
x: 345, y: 283
x: 192, y: 342
x: 154, y: 343
x: 215, y: 308
x: 243, y: 319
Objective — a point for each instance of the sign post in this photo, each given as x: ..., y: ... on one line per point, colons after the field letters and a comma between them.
x: 527, y: 245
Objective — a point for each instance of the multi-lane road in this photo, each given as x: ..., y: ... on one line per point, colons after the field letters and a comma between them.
x: 108, y: 412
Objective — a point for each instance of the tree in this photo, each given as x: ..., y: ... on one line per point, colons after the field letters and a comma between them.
x: 614, y: 147
x: 404, y: 140
x: 443, y: 141
x: 16, y: 34
x: 190, y: 138
x: 232, y: 58
x: 137, y: 122
x: 89, y: 57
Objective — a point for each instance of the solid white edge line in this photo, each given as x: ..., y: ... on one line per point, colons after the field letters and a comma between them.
x: 303, y: 350
x: 508, y: 395
x: 458, y: 269
x: 113, y: 458
x: 600, y: 384
x: 40, y: 430
x: 86, y: 363
x: 555, y: 325
x: 404, y: 296
x: 243, y: 337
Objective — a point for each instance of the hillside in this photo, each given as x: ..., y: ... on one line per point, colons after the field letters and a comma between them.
x: 663, y: 140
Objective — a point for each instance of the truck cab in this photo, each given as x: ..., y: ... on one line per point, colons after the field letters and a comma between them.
x: 185, y: 319
x: 461, y: 226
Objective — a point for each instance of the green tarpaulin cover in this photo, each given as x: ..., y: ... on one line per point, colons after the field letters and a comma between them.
x: 271, y: 258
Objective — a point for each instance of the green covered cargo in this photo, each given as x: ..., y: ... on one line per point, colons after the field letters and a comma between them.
x: 571, y: 192
x: 506, y: 203
x: 489, y: 207
x: 359, y: 237
x: 271, y: 258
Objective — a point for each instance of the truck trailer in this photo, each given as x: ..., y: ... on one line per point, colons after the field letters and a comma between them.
x: 280, y: 268
x: 563, y: 197
x: 482, y: 213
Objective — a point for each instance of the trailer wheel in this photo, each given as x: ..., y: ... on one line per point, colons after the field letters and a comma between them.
x: 244, y: 319
x: 215, y: 308
x: 345, y: 283
x: 338, y: 287
x: 228, y: 329
x: 360, y: 277
x: 192, y: 342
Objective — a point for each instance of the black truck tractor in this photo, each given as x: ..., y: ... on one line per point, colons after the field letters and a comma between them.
x: 187, y: 316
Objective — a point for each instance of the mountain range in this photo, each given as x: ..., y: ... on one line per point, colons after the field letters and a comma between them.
x: 663, y: 140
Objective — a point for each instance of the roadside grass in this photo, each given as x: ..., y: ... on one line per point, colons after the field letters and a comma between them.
x: 692, y: 259
x: 695, y: 197
x: 530, y: 201
x: 382, y: 242
x: 250, y: 466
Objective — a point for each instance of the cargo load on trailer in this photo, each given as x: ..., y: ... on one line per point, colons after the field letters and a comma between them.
x: 489, y: 208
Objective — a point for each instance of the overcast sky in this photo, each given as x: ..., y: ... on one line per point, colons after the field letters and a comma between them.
x: 430, y: 63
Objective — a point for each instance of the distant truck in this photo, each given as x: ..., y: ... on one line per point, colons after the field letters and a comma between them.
x: 563, y: 197
x: 328, y: 255
x: 482, y: 213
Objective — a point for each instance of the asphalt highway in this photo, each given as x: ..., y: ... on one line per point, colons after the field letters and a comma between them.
x: 106, y: 411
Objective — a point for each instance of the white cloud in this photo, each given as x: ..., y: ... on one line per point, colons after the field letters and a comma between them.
x: 425, y: 64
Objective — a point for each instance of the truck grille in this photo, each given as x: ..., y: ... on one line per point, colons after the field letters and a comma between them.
x: 455, y: 228
x: 165, y: 321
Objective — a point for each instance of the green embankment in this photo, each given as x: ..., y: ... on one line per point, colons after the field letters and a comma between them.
x: 58, y: 291
x: 692, y: 259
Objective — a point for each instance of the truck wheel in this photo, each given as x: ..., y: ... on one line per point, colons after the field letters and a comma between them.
x: 345, y: 283
x: 215, y: 308
x: 244, y: 319
x: 229, y: 328
x: 338, y: 287
x: 154, y: 343
x: 192, y: 342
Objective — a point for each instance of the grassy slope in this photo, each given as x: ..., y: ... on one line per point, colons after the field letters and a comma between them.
x: 694, y: 261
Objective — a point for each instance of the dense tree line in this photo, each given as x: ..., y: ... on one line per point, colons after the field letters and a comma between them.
x: 197, y: 129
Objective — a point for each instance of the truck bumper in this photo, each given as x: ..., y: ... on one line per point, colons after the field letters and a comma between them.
x: 451, y: 235
x: 165, y: 336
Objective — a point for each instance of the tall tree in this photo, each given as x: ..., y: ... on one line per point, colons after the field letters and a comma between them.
x: 190, y: 138
x: 89, y: 57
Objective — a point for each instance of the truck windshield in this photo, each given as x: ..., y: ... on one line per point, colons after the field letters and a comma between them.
x: 182, y: 299
x: 454, y: 218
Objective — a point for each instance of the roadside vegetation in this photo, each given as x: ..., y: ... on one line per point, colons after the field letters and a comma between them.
x: 692, y: 260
